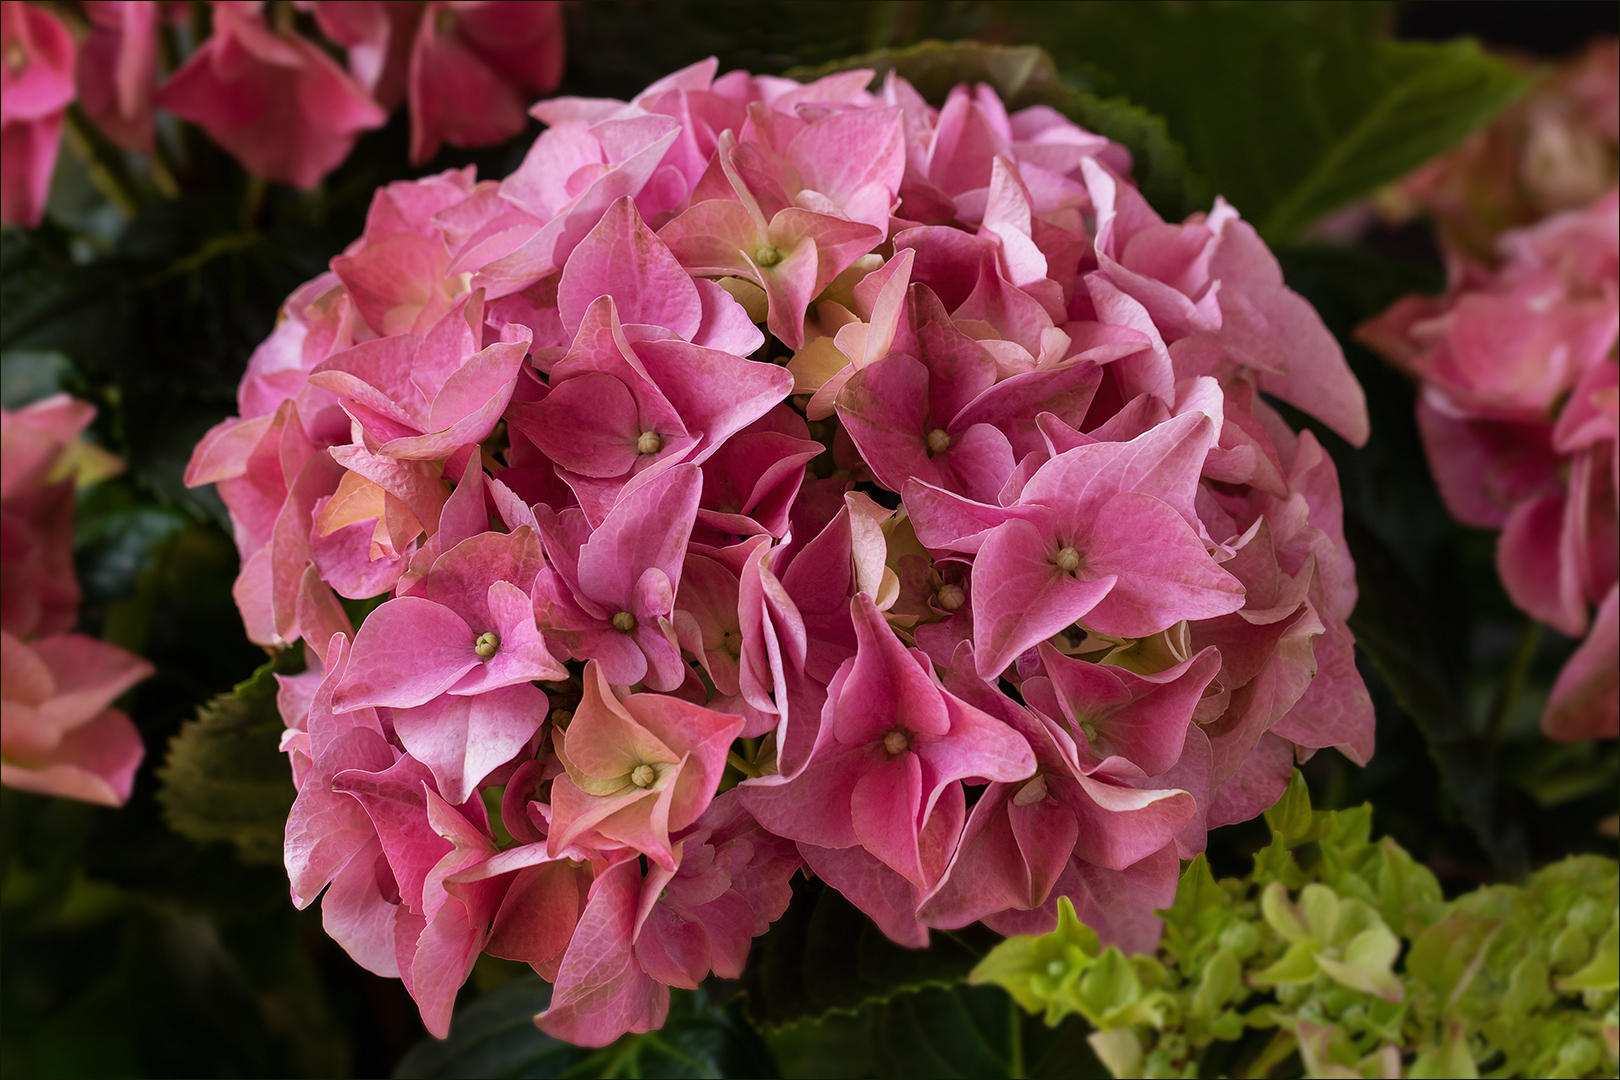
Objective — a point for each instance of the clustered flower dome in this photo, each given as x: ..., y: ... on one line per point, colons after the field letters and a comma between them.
x: 755, y: 478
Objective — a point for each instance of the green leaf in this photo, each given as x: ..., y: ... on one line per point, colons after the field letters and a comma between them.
x: 1221, y: 982
x: 1393, y: 625
x: 1288, y: 110
x: 225, y: 778
x: 974, y: 1031
x: 824, y: 954
x: 1366, y: 965
x: 495, y: 1036
x: 1040, y: 970
x: 1291, y: 817
x: 1201, y: 907
x: 1297, y: 965
x: 1451, y: 1059
x: 1025, y: 76
x: 1119, y: 1049
x: 1602, y: 972
x: 27, y: 375
x: 964, y: 1031
x: 1448, y: 955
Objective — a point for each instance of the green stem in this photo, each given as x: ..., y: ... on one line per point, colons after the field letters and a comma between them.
x: 1015, y: 1041
x: 104, y: 162
x: 741, y: 764
x: 1282, y: 1044
x: 252, y: 201
x: 1507, y: 692
x: 163, y: 171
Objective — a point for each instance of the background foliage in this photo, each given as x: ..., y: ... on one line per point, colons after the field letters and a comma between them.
x: 158, y: 940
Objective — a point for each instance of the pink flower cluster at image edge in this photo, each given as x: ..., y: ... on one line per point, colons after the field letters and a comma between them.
x: 59, y: 734
x: 270, y: 96
x: 1013, y: 516
x: 1520, y: 417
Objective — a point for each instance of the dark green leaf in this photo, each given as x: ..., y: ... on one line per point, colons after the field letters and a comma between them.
x: 1024, y: 76
x: 115, y: 534
x: 823, y: 954
x: 965, y: 1031
x: 974, y: 1031
x: 495, y: 1036
x: 225, y: 778
x: 27, y: 375
x: 1288, y: 110
x: 1395, y: 627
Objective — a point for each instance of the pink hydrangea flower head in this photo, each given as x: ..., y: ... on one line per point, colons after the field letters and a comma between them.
x: 619, y: 558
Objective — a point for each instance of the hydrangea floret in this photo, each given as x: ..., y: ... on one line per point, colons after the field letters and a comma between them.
x: 772, y: 475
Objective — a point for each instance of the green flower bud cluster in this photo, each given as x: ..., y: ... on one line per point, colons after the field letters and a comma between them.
x: 1339, y: 957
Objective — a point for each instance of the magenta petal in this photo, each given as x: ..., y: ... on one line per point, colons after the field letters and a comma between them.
x: 1257, y: 785
x: 1142, y: 718
x: 1531, y: 566
x: 396, y: 800
x: 622, y: 258
x: 1119, y: 825
x: 1021, y: 597
x: 946, y: 521
x: 601, y: 991
x: 886, y: 805
x: 647, y: 529
x: 588, y: 424
x: 1163, y: 574
x: 409, y: 651
x: 359, y: 914
x: 814, y: 807
x: 325, y: 828
x: 1585, y: 701
x: 889, y: 899
x: 461, y: 739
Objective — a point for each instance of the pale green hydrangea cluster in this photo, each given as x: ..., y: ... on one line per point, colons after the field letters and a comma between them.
x: 1342, y: 951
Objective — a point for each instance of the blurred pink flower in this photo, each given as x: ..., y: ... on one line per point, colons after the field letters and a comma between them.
x: 1520, y: 417
x: 36, y: 87
x: 117, y: 70
x: 272, y: 98
x: 58, y: 735
x: 475, y: 65
x: 41, y: 460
